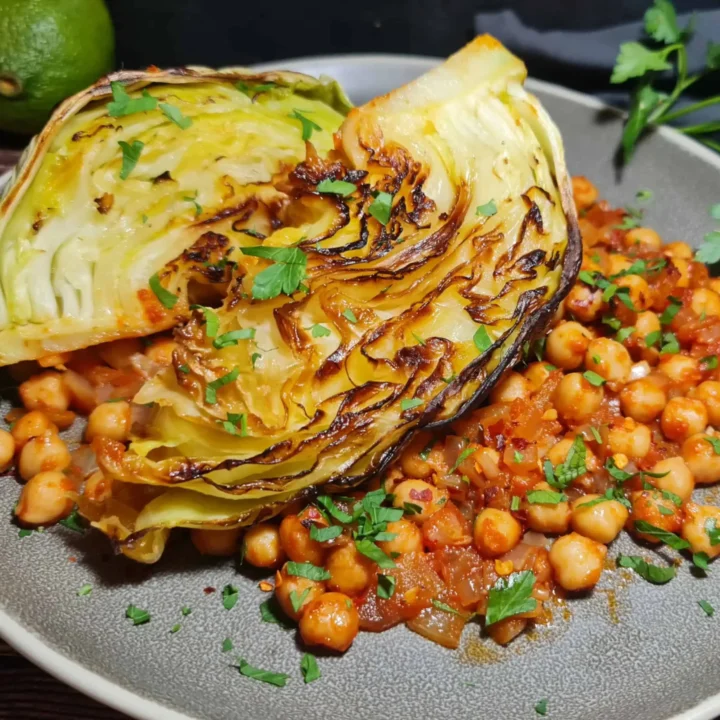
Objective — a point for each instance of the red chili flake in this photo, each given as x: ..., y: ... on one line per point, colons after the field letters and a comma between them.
x: 312, y: 513
x: 72, y: 559
x: 209, y: 590
x: 422, y: 495
x: 520, y: 443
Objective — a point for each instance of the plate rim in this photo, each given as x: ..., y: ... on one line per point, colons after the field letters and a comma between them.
x: 113, y: 695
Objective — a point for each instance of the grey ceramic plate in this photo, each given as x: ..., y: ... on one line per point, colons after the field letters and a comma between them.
x: 631, y: 650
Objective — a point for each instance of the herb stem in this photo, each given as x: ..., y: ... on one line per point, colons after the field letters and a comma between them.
x: 710, y: 143
x: 668, y: 117
x: 700, y: 129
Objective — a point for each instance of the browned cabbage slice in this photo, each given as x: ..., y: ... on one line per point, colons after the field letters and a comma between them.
x: 403, y: 276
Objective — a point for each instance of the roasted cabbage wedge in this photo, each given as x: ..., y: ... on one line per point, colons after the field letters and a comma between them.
x: 401, y: 275
x: 129, y: 174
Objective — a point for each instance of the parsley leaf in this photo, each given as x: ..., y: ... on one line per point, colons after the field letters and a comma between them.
x: 710, y: 362
x: 336, y: 187
x: 285, y: 275
x: 385, y: 586
x: 309, y: 668
x: 196, y: 204
x: 138, y: 616
x: 645, y: 103
x: 131, y: 155
x: 212, y: 321
x: 634, y: 60
x: 349, y: 315
x: 593, y: 378
x: 278, y: 679
x: 229, y: 597
x: 462, y: 457
x: 270, y: 613
x: 707, y: 607
x: 307, y: 570
x: 652, y: 573
x: 318, y: 331
x: 709, y: 250
x: 122, y: 104
x: 410, y: 403
x: 515, y: 503
x: 74, y: 520
x: 661, y: 22
x: 446, y: 608
x: 323, y: 534
x: 714, y: 442
x: 369, y: 549
x: 571, y: 469
x: 510, y: 596
x: 175, y: 115
x: 166, y: 298
x: 297, y: 600
x: 545, y: 497
x: 712, y: 531
x: 231, y: 338
x: 307, y: 125
x: 84, y: 590
x: 215, y: 385
x: 227, y: 645
x: 482, y: 339
x: 671, y: 310
x: 541, y: 707
x: 488, y: 209
x: 669, y: 538
x: 381, y: 207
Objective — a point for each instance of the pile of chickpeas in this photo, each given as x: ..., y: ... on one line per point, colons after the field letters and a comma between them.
x: 638, y: 406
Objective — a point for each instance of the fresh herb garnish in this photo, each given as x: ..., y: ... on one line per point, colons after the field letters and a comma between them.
x: 336, y: 187
x: 652, y: 573
x: 323, y: 534
x: 573, y: 467
x: 298, y: 599
x: 175, y: 115
x: 138, y: 616
x: 215, y: 385
x: 227, y: 645
x: 386, y: 586
x: 229, y: 597
x: 381, y: 207
x: 74, y: 520
x: 195, y: 203
x: 510, y: 596
x: 122, y: 104
x: 669, y: 538
x: 482, y: 339
x: 370, y: 550
x: 488, y: 209
x: 166, y: 298
x: 541, y: 707
x: 84, y: 590
x: 707, y: 607
x: 284, y: 276
x: 410, y: 403
x: 130, y: 156
x: 515, y: 503
x: 593, y: 378
x: 349, y: 315
x: 231, y: 338
x: 714, y: 442
x: 307, y: 570
x: 462, y: 457
x: 545, y: 497
x: 446, y: 608
x: 212, y: 321
x: 710, y: 362
x: 318, y: 331
x: 712, y: 531
x: 272, y: 678
x: 307, y: 125
x: 673, y: 308
x: 309, y: 668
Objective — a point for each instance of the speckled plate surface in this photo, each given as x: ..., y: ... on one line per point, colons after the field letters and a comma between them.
x: 630, y: 650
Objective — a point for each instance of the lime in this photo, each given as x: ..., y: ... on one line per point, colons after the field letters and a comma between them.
x: 49, y: 49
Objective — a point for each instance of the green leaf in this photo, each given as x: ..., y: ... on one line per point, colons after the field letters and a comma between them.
x: 131, y: 155
x: 670, y: 344
x: 325, y: 502
x: 227, y: 645
x: 571, y: 469
x: 645, y: 101
x: 652, y: 573
x: 545, y: 497
x: 593, y: 378
x: 386, y: 586
x: 231, y: 338
x: 323, y: 534
x: 462, y: 457
x: 634, y: 60
x: 349, y: 315
x: 231, y: 424
x: 175, y: 628
x: 25, y: 532
x: 307, y: 570
x: 661, y: 22
x: 215, y: 385
x: 318, y: 331
x: 510, y: 596
x: 712, y: 531
x: 541, y: 707
x: 307, y: 125
x: 229, y: 597
x: 446, y: 608
x: 297, y: 600
x: 715, y: 210
x: 709, y: 250
x: 270, y: 613
x: 336, y: 187
x: 196, y: 204
x: 138, y: 616
x: 419, y: 339
x: 624, y: 333
x: 672, y: 497
x: 175, y: 115
x: 409, y: 404
x: 488, y: 209
x: 482, y: 339
x: 185, y: 369
x: 653, y: 338
x: 166, y: 298
x: 278, y: 679
x: 714, y: 442
x: 309, y: 668
x: 370, y: 550
x: 664, y: 536
x: 122, y: 104
x: 381, y: 207
x: 84, y: 590
x: 644, y: 195
x: 596, y: 434
x: 669, y: 313
x: 712, y: 56
x: 254, y: 358
x: 710, y: 362
x: 701, y: 560
x: 515, y: 503
x: 285, y: 275
x: 707, y: 607
x: 212, y: 322
x: 587, y: 277
x: 74, y: 521
x: 412, y: 508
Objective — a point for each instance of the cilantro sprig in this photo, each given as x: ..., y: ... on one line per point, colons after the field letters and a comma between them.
x: 284, y: 276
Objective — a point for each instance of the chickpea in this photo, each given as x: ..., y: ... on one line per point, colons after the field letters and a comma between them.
x: 536, y: 374
x: 297, y: 543
x: 422, y: 494
x: 645, y: 323
x: 677, y: 480
x: 161, y: 351
x: 584, y: 303
x: 602, y: 522
x: 646, y: 506
x: 701, y: 458
x: 630, y: 438
x: 117, y: 353
x: 111, y: 420
x: 331, y: 621
x: 584, y: 192
x: 698, y: 519
x: 714, y: 284
x: 411, y: 463
x: 683, y: 417
x: 546, y: 518
x: 41, y: 454
x: 566, y: 345
x: 642, y: 400
x: 221, y: 543
x: 292, y: 587
x: 705, y: 302
x: 609, y: 359
x: 512, y: 386
x: 681, y: 369
x: 639, y: 291
x: 31, y: 425
x: 98, y: 487
x: 262, y: 546
x: 7, y: 450
x: 45, y: 499
x: 350, y: 572
x: 708, y: 393
x: 496, y: 532
x: 617, y: 263
x: 678, y: 250
x: 45, y: 391
x: 643, y: 237
x: 577, y: 561
x: 408, y: 538
x: 576, y: 399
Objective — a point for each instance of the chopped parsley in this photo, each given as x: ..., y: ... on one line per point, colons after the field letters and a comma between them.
x: 309, y: 668
x: 673, y: 308
x: 462, y: 457
x: 284, y: 276
x: 138, y: 616
x: 669, y: 538
x: 487, y: 210
x: 195, y: 203
x: 515, y: 503
x: 307, y: 570
x: 510, y: 596
x: 652, y: 573
x: 233, y: 421
x: 84, y: 590
x: 122, y: 104
x: 130, y: 156
x: 714, y: 442
x: 272, y: 678
x: 175, y: 115
x: 573, y: 467
x: 323, y: 534
x: 166, y: 298
x: 212, y: 321
x: 482, y: 339
x: 710, y: 362
x: 445, y: 607
x: 370, y: 550
x: 707, y: 607
x: 231, y: 338
x: 385, y: 586
x: 336, y: 187
x: 74, y: 521
x: 297, y: 600
x: 545, y: 497
x: 229, y: 597
x: 349, y: 315
x: 712, y: 531
x: 215, y: 385
x: 381, y: 207
x: 410, y: 403
x: 541, y: 707
x: 307, y: 125
x: 318, y: 331
x: 593, y: 378
x: 227, y: 645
